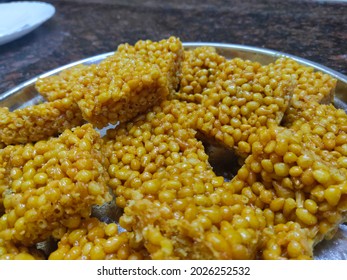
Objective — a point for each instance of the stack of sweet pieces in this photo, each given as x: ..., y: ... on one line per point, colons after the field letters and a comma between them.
x: 288, y: 193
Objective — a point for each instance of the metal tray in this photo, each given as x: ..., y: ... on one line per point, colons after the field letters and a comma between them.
x: 25, y: 94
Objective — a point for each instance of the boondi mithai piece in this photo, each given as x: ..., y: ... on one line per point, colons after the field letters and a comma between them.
x: 123, y: 85
x: 38, y: 122
x: 239, y: 96
x: 51, y: 185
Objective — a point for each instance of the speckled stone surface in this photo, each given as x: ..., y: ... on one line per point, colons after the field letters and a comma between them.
x: 315, y: 30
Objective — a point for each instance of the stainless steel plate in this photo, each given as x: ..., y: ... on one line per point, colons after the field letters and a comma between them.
x: 25, y: 94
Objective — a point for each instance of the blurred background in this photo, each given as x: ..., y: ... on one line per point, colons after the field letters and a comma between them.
x: 315, y: 30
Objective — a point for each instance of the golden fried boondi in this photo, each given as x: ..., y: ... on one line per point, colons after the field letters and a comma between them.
x: 173, y: 199
x: 310, y: 86
x: 60, y: 86
x: 127, y: 83
x: 95, y: 240
x: 38, y: 122
x: 51, y: 185
x: 134, y: 87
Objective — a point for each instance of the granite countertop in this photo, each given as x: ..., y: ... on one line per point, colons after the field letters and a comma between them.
x: 315, y: 30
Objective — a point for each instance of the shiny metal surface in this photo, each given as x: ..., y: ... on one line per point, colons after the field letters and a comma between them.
x: 25, y: 94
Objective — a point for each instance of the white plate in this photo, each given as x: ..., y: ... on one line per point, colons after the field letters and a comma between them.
x: 20, y: 18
